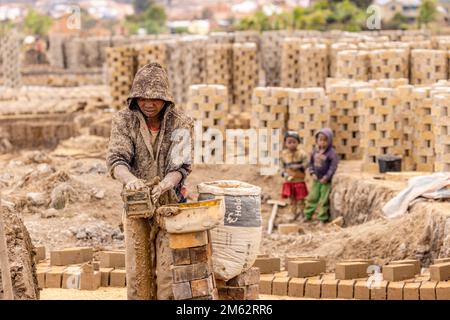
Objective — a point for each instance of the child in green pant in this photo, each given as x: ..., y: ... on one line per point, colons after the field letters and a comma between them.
x: 323, y: 165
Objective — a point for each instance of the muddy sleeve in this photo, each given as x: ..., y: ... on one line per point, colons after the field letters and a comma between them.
x: 182, y: 152
x: 120, y: 149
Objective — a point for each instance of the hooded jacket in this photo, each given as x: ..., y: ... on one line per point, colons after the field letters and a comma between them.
x: 130, y: 141
x: 324, y: 165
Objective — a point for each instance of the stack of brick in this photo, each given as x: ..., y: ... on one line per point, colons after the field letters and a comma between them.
x: 193, y: 68
x: 242, y: 287
x: 121, y: 68
x: 405, y: 116
x: 424, y: 155
x: 192, y: 270
x: 290, y: 63
x: 441, y: 120
x: 208, y: 103
x: 75, y: 56
x: 271, y: 42
x: 154, y: 51
x: 175, y: 63
x: 74, y: 268
x: 221, y: 37
x: 335, y: 48
x: 389, y: 63
x: 10, y: 66
x: 309, y: 111
x: 245, y: 74
x: 269, y: 108
x: 313, y: 65
x: 380, y: 131
x: 219, y: 65
x: 56, y: 51
x: 345, y: 118
x: 428, y: 66
x: 352, y: 64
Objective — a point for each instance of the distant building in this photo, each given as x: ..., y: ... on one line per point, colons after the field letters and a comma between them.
x: 407, y: 8
x: 410, y: 9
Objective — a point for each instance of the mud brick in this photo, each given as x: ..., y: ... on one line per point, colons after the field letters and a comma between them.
x: 220, y: 283
x: 199, y: 254
x: 104, y: 276
x: 188, y: 240
x: 329, y: 288
x: 40, y: 254
x: 416, y: 263
x: 236, y: 293
x: 296, y: 287
x: 351, y: 270
x: 398, y: 272
x: 428, y: 290
x: 181, y: 256
x: 280, y: 286
x: 443, y: 290
x: 346, y: 289
x: 441, y: 260
x: 191, y: 272
x: 71, y: 278
x: 287, y: 228
x: 182, y: 291
x: 288, y: 258
x: 395, y: 290
x: 440, y: 271
x: 97, y: 279
x: 378, y: 291
x: 302, y: 269
x: 41, y: 277
x: 411, y: 291
x: 246, y: 278
x: 89, y: 279
x: 67, y: 256
x: 112, y: 259
x: 53, y: 278
x: 117, y: 278
x: 267, y: 265
x: 313, y: 288
x: 202, y: 287
x: 280, y: 274
x: 252, y: 292
x: 362, y: 291
x: 96, y: 265
x: 87, y: 253
x: 265, y: 284
x: 223, y: 293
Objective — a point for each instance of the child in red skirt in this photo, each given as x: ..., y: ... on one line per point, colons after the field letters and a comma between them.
x: 294, y: 162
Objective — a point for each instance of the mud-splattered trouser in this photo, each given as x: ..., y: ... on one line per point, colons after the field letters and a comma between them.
x: 318, y: 197
x: 148, y: 259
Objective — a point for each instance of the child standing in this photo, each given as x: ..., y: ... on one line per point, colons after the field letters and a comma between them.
x: 294, y: 162
x: 323, y: 165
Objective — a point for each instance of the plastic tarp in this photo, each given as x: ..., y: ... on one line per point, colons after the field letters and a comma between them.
x: 434, y: 186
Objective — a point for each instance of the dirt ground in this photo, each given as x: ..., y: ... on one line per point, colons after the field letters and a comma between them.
x: 74, y: 179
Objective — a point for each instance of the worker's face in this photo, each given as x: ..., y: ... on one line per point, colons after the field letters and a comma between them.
x: 150, y: 107
x: 322, y: 141
x: 291, y: 143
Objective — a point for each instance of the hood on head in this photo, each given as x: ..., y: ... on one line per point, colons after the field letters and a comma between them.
x: 329, y: 134
x: 150, y: 82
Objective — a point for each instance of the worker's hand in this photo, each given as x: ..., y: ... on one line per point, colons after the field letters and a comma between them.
x: 156, y: 192
x: 135, y: 184
x: 324, y: 180
x: 314, y: 177
x: 290, y: 178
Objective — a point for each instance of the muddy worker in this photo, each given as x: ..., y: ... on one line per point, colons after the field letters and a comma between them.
x: 150, y: 138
